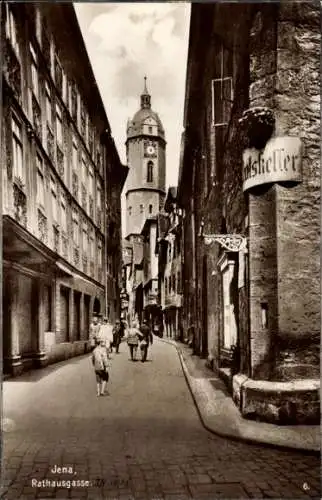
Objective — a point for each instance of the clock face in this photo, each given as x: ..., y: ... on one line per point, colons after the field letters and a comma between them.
x: 150, y: 149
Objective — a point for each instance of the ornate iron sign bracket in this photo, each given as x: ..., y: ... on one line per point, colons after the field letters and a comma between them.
x: 231, y: 242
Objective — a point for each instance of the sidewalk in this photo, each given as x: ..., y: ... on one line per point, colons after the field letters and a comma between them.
x: 220, y: 415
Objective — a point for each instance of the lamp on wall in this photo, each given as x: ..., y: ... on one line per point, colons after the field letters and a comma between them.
x: 231, y: 242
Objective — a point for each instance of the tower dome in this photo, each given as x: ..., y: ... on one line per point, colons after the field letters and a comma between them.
x: 144, y: 118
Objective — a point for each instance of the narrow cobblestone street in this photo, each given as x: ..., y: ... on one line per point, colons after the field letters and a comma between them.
x: 142, y: 441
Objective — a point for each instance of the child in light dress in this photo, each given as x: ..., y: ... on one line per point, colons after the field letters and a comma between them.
x: 100, y: 360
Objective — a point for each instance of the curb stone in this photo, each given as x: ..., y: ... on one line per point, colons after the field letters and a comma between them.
x: 228, y: 435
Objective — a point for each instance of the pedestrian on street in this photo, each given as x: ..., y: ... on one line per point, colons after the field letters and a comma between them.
x: 94, y: 328
x: 132, y: 338
x: 123, y: 327
x: 100, y: 357
x: 117, y: 336
x: 106, y: 333
x: 146, y: 338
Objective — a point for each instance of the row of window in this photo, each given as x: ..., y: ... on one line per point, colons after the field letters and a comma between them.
x: 84, y: 237
x: 18, y: 172
x: 130, y: 211
x: 66, y: 87
x: 172, y: 283
x: 56, y: 143
x: 58, y: 207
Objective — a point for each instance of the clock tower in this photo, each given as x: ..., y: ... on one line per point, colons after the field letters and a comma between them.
x: 145, y: 151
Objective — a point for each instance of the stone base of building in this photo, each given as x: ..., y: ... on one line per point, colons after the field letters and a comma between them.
x: 225, y: 375
x: 66, y: 350
x: 13, y: 366
x: 17, y: 365
x: 40, y: 360
x: 283, y: 403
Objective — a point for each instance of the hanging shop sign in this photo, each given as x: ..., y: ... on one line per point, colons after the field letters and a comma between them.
x: 280, y: 161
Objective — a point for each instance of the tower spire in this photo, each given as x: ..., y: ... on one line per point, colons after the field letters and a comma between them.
x: 145, y: 97
x: 145, y: 91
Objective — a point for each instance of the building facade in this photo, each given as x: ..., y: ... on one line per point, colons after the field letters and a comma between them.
x: 249, y: 185
x: 57, y: 155
x: 150, y: 286
x: 170, y: 267
x: 116, y: 176
x: 145, y: 194
x: 132, y: 279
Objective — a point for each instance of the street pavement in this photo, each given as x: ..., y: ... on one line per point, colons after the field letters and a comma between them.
x: 142, y: 441
x: 220, y: 414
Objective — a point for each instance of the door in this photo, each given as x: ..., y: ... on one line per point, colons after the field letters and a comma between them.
x: 77, y: 332
x: 86, y: 316
x: 229, y: 316
x: 47, y: 308
x: 27, y: 315
x: 6, y: 318
x: 204, y: 308
x: 64, y: 314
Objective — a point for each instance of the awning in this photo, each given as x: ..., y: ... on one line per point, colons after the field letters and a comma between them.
x: 23, y: 248
x: 63, y: 270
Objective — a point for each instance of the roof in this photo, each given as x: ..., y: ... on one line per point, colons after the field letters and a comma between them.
x: 135, y: 126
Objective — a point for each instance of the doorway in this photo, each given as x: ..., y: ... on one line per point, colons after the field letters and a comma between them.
x: 204, y: 334
x: 229, y: 324
x: 96, y: 307
x: 64, y: 313
x: 77, y: 325
x: 87, y: 300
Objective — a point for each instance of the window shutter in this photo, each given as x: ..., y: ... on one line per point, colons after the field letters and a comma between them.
x: 227, y: 98
x: 222, y: 100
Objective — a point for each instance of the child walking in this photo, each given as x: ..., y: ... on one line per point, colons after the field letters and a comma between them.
x: 100, y: 357
x: 132, y: 339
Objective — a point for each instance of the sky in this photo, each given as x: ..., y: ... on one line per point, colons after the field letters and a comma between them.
x: 125, y: 42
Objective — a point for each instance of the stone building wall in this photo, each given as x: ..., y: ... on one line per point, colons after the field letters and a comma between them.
x: 134, y: 154
x: 277, y: 299
x: 297, y: 107
x: 284, y: 62
x: 134, y: 223
x: 220, y: 203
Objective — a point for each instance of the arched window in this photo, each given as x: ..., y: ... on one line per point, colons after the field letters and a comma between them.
x: 150, y: 209
x: 150, y: 172
x: 130, y: 210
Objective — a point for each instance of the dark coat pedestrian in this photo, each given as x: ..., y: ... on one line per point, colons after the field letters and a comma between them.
x: 146, y: 338
x: 117, y: 336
